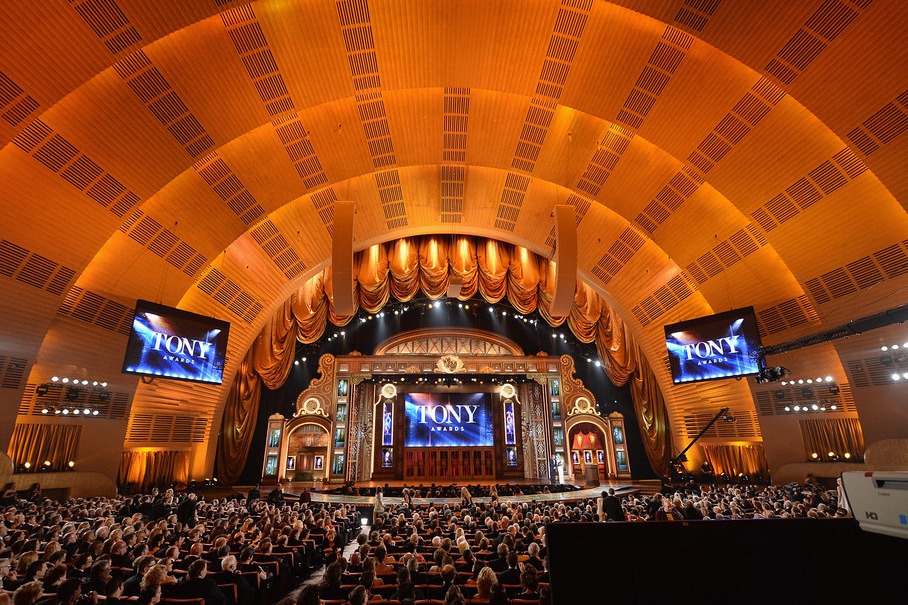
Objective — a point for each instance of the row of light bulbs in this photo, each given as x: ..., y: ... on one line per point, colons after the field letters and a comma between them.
x: 46, y: 464
x: 77, y: 381
x: 66, y: 411
x: 817, y: 380
x: 814, y: 407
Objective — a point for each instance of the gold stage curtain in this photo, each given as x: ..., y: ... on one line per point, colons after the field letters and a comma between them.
x: 37, y: 443
x: 400, y: 270
x: 734, y: 460
x: 142, y: 468
x: 836, y: 435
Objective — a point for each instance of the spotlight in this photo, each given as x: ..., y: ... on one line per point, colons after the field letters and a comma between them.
x: 70, y: 464
x: 45, y: 410
x: 27, y: 465
x: 47, y: 464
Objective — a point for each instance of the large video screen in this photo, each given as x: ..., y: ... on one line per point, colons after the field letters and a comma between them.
x: 448, y: 420
x: 725, y: 345
x: 170, y: 343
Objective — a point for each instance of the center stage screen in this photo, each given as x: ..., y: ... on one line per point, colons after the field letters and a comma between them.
x: 448, y: 420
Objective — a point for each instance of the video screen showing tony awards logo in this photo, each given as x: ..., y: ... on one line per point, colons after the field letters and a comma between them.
x: 448, y: 420
x: 170, y: 343
x: 724, y: 345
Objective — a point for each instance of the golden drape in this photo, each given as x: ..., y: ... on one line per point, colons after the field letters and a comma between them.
x: 400, y: 270
x: 734, y: 460
x: 142, y: 468
x: 37, y: 443
x: 836, y: 435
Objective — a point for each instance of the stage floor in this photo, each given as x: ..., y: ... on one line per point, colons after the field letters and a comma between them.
x: 292, y: 490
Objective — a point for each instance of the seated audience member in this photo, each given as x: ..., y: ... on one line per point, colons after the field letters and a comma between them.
x: 330, y: 587
x: 454, y: 597
x: 484, y: 583
x: 512, y: 574
x: 358, y: 596
x: 28, y: 594
x: 131, y: 586
x: 98, y: 577
x: 149, y: 596
x: 530, y: 583
x: 53, y: 578
x: 113, y: 592
x: 245, y: 591
x: 197, y: 585
x: 448, y: 575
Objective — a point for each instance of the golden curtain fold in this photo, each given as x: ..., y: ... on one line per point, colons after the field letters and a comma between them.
x: 399, y: 270
x: 141, y: 469
x: 836, y: 435
x: 735, y: 460
x: 37, y: 443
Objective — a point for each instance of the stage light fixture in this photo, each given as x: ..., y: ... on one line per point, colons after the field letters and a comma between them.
x: 72, y: 393
x: 42, y: 389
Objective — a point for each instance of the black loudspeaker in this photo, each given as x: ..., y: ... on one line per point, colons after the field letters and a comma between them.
x: 565, y: 261
x: 342, y: 258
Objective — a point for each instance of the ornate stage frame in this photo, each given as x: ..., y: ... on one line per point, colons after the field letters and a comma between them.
x: 333, y: 437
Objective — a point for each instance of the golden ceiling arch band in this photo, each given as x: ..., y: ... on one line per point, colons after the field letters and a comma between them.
x: 400, y: 269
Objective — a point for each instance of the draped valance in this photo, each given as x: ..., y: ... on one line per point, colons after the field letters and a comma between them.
x: 403, y: 268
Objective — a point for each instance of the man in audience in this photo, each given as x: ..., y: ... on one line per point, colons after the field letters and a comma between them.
x: 197, y: 585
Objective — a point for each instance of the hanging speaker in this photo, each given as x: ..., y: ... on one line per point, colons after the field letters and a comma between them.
x: 565, y: 261
x: 342, y: 258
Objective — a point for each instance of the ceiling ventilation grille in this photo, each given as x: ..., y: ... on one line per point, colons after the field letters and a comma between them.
x: 228, y: 187
x: 150, y: 86
x: 12, y: 370
x: 563, y: 43
x: 656, y: 74
x: 15, y: 105
x: 745, y: 426
x: 391, y: 196
x: 166, y: 428
x: 149, y: 233
x: 229, y: 295
x: 456, y: 120
x: 882, y: 127
x: 696, y: 13
x: 860, y: 274
x: 356, y: 28
x: 728, y: 252
x: 515, y: 187
x: 826, y: 178
x: 876, y: 371
x: 747, y: 112
x: 275, y: 245
x: 250, y: 44
x: 33, y: 269
x: 608, y: 152
x: 61, y: 157
x: 823, y: 27
x: 108, y: 22
x: 92, y: 308
x: 618, y: 255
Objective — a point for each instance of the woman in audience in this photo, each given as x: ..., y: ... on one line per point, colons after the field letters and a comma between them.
x: 484, y: 584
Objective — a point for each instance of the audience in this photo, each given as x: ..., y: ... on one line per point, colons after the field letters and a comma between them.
x: 157, y: 545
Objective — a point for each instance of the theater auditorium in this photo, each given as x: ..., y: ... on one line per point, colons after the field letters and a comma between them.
x: 541, y: 247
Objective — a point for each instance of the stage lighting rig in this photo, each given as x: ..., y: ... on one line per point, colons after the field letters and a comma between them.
x: 772, y: 374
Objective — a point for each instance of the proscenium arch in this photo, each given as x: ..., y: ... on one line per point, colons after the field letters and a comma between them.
x: 90, y: 97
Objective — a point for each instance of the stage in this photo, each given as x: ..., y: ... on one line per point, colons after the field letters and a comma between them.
x: 318, y: 493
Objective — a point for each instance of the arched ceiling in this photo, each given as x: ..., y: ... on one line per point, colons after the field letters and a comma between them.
x: 719, y: 154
